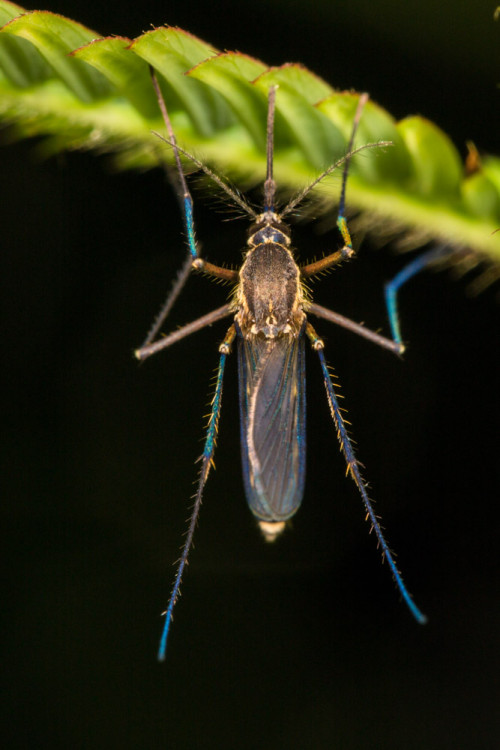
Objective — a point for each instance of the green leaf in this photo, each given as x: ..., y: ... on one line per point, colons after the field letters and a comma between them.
x: 55, y: 37
x: 172, y: 52
x: 127, y: 74
x: 62, y: 81
x: 317, y: 139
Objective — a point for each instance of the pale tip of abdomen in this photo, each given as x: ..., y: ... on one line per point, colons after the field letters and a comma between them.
x: 271, y: 529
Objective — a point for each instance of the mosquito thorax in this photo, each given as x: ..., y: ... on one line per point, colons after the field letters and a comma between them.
x: 269, y: 295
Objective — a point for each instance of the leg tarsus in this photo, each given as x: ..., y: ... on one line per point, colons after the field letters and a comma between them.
x: 206, y: 463
x: 411, y: 269
x: 353, y: 467
x: 347, y: 251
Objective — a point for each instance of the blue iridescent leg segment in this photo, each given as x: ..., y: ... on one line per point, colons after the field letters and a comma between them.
x: 392, y: 287
x: 206, y: 463
x: 354, y: 470
x: 187, y: 201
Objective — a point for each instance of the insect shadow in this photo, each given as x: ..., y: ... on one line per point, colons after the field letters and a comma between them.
x: 270, y: 306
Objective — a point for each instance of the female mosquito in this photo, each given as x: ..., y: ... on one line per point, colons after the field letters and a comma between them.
x: 270, y: 307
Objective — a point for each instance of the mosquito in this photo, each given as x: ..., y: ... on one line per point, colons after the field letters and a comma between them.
x: 270, y: 306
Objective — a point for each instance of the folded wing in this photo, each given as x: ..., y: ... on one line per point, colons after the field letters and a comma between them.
x: 272, y: 412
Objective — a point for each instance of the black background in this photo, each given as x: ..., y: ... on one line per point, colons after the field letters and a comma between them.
x: 299, y: 644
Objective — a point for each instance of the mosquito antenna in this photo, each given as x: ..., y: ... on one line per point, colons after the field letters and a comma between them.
x: 344, y: 160
x: 172, y: 141
x: 269, y: 184
x: 303, y: 193
x: 212, y: 175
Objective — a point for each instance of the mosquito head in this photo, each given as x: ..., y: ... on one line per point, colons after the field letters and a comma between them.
x: 268, y: 228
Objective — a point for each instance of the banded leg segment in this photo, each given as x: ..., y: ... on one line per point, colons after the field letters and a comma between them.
x: 412, y: 269
x: 206, y: 463
x: 353, y: 468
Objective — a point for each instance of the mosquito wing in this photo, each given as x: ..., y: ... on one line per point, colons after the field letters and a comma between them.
x: 272, y: 417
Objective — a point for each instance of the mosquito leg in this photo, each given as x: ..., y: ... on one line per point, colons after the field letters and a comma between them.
x: 392, y: 287
x: 353, y: 468
x: 206, y: 462
x: 347, y: 251
x: 360, y: 330
x: 341, y: 220
x: 206, y: 320
x: 185, y: 271
x: 193, y: 260
x: 311, y: 269
x: 176, y: 289
x: 187, y: 201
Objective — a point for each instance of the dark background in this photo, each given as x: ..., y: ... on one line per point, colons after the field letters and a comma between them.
x: 299, y: 644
